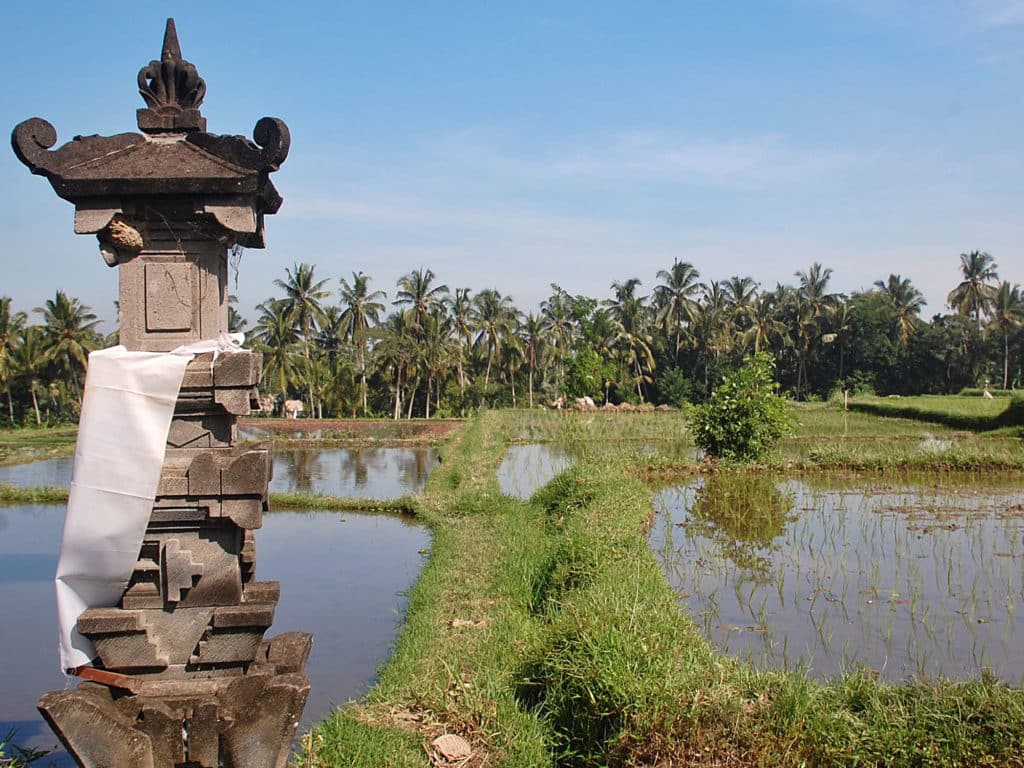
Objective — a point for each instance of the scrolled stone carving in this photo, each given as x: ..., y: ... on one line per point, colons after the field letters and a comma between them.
x: 32, y: 139
x: 273, y: 137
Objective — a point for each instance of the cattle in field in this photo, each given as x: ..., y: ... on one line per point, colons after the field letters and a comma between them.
x: 292, y: 408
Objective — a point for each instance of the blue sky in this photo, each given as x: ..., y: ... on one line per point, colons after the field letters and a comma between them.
x: 512, y: 145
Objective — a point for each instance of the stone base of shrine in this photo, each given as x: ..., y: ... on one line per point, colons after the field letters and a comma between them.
x: 244, y: 720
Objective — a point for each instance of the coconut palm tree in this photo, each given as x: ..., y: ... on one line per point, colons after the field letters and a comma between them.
x: 534, y: 345
x: 765, y: 326
x: 360, y: 309
x: 277, y: 337
x: 11, y: 324
x: 396, y: 351
x: 675, y: 299
x: 30, y: 358
x: 1007, y: 311
x: 906, y: 302
x: 973, y: 296
x: 494, y: 317
x: 460, y: 310
x: 303, y: 293
x: 416, y: 294
x: 69, y: 335
x: 558, y: 325
x: 740, y: 293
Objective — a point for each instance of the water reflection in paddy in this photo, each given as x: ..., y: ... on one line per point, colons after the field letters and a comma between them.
x: 375, y: 473
x: 46, y: 473
x: 525, y: 468
x: 907, y: 579
x: 343, y: 577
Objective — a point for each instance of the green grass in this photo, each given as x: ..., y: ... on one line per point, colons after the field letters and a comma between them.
x: 12, y: 494
x: 545, y: 633
x: 956, y: 411
x: 18, y: 446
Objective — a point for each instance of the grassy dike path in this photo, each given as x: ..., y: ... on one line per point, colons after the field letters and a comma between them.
x: 545, y: 634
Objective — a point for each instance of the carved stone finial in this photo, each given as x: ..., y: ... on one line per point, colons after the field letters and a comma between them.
x: 173, y: 90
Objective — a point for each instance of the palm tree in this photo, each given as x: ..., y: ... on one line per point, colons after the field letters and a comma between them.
x: 397, y: 351
x: 674, y: 299
x: 765, y: 325
x: 741, y: 293
x: 11, y: 324
x: 69, y: 335
x: 975, y: 292
x: 534, y: 345
x: 276, y: 336
x: 460, y: 310
x: 1007, y: 311
x: 812, y: 305
x: 414, y: 291
x: 360, y: 308
x: 558, y: 325
x: 30, y: 358
x: 494, y: 317
x: 906, y: 302
x: 630, y: 312
x: 303, y: 293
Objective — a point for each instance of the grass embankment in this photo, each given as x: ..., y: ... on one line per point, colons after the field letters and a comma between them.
x: 974, y: 413
x: 545, y: 634
x: 31, y: 443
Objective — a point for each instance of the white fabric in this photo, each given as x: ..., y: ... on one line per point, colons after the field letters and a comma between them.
x: 127, y: 408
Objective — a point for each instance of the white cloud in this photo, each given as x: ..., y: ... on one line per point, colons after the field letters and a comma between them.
x: 1002, y: 13
x: 758, y: 160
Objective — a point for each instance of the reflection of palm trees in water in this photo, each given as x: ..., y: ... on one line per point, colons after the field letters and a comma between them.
x: 355, y: 464
x: 413, y: 467
x: 301, y: 467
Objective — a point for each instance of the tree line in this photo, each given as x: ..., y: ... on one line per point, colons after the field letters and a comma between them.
x: 429, y: 350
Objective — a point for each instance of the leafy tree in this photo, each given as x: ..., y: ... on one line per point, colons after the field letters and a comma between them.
x: 745, y: 416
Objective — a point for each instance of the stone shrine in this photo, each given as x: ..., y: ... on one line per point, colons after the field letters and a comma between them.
x: 184, y: 677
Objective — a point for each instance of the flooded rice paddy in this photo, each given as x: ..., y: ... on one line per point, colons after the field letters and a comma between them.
x: 371, y: 473
x: 910, y: 578
x: 344, y: 577
x: 526, y: 468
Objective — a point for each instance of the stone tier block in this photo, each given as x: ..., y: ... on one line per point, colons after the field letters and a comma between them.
x: 151, y: 641
x: 234, y: 722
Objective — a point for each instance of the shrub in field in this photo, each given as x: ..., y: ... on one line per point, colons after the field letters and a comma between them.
x: 745, y: 416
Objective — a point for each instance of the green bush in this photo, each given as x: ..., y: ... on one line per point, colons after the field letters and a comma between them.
x: 745, y: 416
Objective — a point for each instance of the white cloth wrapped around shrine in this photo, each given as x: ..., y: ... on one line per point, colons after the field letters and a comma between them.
x: 127, y: 408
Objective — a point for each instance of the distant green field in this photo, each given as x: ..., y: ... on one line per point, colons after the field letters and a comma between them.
x: 969, y: 412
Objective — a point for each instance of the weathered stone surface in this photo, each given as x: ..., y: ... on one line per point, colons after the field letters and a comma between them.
x: 286, y: 653
x: 196, y: 684
x: 266, y: 711
x: 94, y: 732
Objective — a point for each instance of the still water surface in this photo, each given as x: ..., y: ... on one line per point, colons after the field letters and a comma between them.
x: 371, y: 473
x: 526, y: 468
x: 343, y: 577
x: 910, y: 579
